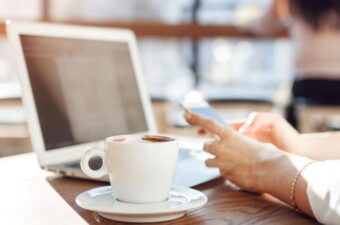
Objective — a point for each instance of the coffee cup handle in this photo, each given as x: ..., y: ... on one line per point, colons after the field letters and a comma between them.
x: 84, y: 163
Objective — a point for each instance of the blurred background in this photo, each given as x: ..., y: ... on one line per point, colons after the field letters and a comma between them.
x: 183, y: 44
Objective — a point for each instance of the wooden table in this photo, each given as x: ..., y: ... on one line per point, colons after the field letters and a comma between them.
x: 29, y: 195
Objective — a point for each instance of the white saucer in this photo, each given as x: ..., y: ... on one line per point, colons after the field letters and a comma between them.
x: 103, y: 201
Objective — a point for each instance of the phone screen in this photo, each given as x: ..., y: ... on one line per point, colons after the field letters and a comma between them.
x: 209, y: 113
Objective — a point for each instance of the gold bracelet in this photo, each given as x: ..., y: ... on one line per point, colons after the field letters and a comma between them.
x: 292, y: 187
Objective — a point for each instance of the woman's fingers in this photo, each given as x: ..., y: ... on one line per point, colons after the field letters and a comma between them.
x: 212, y: 163
x: 201, y: 131
x: 236, y: 125
x: 211, y: 147
x: 206, y: 124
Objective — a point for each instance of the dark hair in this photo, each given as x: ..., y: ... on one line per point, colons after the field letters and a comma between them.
x: 317, y: 12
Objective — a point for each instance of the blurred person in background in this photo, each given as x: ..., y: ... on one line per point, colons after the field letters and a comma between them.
x: 314, y: 28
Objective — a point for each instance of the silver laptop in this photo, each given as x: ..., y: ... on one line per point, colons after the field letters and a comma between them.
x: 80, y: 85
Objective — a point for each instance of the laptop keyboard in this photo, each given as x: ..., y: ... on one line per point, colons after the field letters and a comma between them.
x: 74, y: 165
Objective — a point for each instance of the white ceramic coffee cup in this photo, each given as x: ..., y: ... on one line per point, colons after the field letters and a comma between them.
x: 140, y: 171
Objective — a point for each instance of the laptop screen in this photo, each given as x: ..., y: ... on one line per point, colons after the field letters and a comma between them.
x: 84, y: 90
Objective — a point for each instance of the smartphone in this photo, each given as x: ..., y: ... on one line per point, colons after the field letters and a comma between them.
x: 205, y: 110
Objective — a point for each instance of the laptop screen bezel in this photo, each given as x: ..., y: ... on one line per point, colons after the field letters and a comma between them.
x: 70, y: 153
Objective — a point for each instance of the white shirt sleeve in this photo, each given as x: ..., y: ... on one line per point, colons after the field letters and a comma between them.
x: 323, y: 190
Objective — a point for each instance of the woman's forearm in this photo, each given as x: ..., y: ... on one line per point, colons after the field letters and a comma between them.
x: 318, y: 146
x: 278, y: 175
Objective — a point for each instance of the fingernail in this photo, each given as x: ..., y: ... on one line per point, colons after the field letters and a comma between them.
x: 188, y: 115
x: 201, y: 132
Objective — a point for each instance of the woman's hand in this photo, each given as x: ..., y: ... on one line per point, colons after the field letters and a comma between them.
x: 254, y: 166
x: 274, y: 129
x: 241, y: 159
x: 269, y: 128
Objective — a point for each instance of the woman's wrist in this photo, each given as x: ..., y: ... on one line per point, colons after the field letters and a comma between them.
x: 277, y: 172
x: 268, y: 161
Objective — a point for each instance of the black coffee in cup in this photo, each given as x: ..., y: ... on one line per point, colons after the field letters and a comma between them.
x: 155, y: 138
